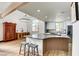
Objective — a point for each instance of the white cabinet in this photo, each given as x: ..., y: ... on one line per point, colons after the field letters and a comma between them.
x: 75, y: 41
x: 41, y: 27
x: 38, y: 26
x: 51, y: 25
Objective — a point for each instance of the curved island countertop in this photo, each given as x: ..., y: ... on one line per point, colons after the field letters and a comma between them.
x: 45, y: 36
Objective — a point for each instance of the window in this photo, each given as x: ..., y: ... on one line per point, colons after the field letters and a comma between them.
x: 35, y: 25
x: 59, y: 26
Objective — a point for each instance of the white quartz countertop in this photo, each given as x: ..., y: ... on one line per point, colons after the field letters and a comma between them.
x: 43, y: 36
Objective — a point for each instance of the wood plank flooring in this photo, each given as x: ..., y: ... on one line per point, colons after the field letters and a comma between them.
x: 56, y: 53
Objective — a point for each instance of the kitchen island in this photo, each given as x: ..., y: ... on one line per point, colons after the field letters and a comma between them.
x: 48, y: 42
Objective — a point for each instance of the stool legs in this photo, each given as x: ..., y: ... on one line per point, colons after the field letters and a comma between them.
x: 37, y: 51
x: 28, y: 51
x: 24, y: 50
x: 34, y: 50
x: 20, y: 49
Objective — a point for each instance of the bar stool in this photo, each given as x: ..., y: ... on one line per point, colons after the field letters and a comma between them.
x: 23, y: 44
x: 33, y: 47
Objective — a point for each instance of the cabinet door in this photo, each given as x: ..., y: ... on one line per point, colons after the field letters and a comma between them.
x: 12, y: 31
x: 7, y: 32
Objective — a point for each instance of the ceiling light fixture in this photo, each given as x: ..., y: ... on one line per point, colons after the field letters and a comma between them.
x: 45, y: 16
x: 38, y: 10
x: 26, y: 15
x: 68, y: 17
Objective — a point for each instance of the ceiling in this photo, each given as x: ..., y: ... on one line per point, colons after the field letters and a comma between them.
x: 7, y: 7
x: 47, y: 10
x: 3, y: 6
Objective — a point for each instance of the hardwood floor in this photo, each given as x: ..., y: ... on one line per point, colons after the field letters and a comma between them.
x: 11, y: 48
x: 55, y: 53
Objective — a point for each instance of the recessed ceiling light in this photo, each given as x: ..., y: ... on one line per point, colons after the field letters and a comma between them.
x: 68, y: 17
x: 38, y: 10
x: 26, y: 15
x: 45, y: 16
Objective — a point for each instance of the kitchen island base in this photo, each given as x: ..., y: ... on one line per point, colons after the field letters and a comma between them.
x: 52, y: 45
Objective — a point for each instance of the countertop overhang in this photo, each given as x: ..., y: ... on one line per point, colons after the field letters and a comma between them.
x: 45, y: 36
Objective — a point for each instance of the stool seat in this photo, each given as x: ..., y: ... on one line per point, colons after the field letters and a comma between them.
x: 24, y: 43
x: 33, y: 45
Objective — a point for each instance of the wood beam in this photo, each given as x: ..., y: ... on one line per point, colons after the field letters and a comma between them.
x: 11, y: 8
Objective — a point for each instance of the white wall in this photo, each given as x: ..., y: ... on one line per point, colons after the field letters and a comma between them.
x: 75, y: 41
x: 25, y: 25
x: 1, y: 29
x: 14, y: 18
x: 17, y: 17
